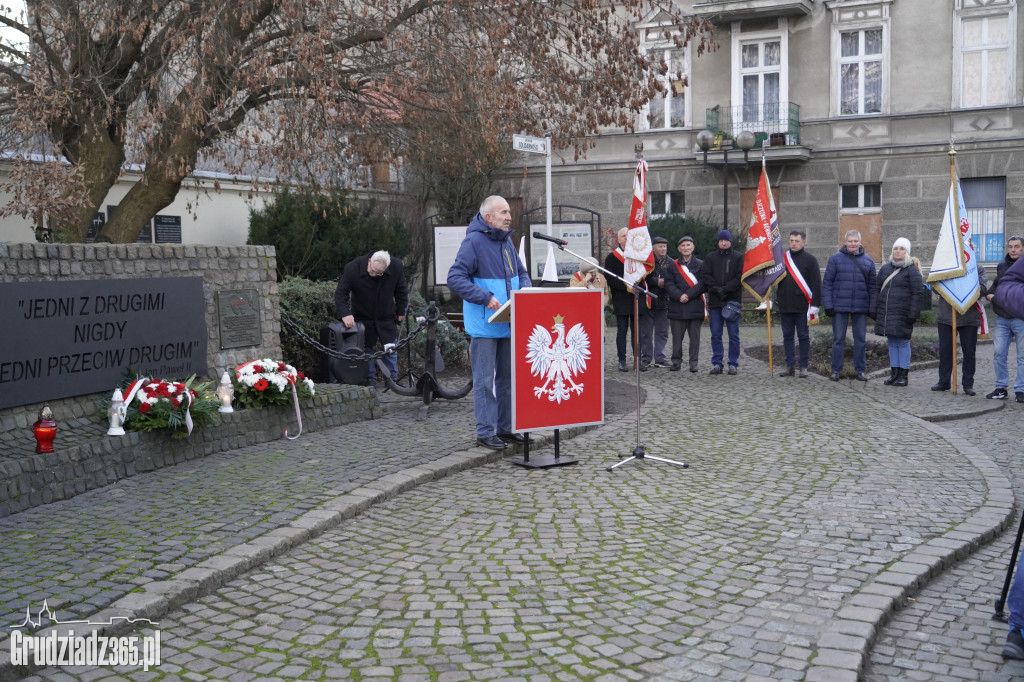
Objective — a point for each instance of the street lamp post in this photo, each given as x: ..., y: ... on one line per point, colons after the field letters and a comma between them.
x: 745, y: 141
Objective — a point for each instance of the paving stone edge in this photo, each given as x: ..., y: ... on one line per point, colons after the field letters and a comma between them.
x: 843, y: 650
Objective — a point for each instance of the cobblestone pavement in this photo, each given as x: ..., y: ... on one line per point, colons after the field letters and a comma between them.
x: 809, y: 509
x: 83, y: 554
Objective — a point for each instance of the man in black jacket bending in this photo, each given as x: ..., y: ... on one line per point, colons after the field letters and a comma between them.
x: 372, y: 291
x: 720, y: 279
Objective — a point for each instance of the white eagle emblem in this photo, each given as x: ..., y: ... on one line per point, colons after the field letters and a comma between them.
x: 754, y: 242
x: 559, y: 361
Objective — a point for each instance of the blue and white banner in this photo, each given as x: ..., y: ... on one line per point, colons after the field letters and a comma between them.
x: 954, y: 270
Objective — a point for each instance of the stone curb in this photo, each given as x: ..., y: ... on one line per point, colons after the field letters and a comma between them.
x: 155, y: 599
x: 843, y: 650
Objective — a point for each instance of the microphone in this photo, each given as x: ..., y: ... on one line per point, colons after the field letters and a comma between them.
x: 554, y: 240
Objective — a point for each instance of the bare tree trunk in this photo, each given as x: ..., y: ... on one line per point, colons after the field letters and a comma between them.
x: 99, y: 158
x: 142, y: 202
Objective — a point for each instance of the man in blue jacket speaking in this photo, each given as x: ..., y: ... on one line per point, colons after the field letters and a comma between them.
x: 486, y: 271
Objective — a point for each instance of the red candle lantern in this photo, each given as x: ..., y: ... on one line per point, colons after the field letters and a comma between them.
x: 45, y: 429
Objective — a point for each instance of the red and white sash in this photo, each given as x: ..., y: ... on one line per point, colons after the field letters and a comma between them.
x: 619, y: 254
x: 805, y: 288
x: 691, y: 281
x: 983, y: 329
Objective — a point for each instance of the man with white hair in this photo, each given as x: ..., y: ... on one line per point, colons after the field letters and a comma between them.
x: 486, y: 271
x: 372, y: 291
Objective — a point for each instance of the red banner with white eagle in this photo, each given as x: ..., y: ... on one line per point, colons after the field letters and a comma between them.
x: 763, y: 262
x: 557, y: 359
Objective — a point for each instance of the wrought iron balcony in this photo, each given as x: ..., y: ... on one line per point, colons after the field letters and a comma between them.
x: 775, y: 124
x: 732, y: 10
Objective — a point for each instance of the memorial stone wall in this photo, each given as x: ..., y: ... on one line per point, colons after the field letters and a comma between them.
x: 239, y: 302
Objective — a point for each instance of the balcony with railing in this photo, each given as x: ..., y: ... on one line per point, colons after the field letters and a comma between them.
x: 732, y: 10
x: 775, y: 124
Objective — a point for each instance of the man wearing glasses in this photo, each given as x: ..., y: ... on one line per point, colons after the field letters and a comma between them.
x: 372, y: 291
x: 1007, y: 328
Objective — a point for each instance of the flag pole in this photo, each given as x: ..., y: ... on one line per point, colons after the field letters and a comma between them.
x: 956, y: 222
x: 768, y: 303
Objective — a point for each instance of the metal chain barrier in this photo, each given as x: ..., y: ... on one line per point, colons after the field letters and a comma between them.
x: 352, y: 354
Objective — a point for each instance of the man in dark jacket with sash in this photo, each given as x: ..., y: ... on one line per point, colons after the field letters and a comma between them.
x: 622, y: 301
x: 798, y: 298
x: 1007, y: 328
x: 654, y: 330
x: 486, y: 271
x: 685, y: 318
x: 848, y: 295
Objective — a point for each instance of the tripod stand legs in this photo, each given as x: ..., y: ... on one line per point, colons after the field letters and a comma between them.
x: 638, y: 453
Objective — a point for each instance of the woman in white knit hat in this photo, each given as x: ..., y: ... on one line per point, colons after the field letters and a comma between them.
x: 897, y: 307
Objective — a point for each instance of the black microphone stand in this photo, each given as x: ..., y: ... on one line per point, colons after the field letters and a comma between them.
x: 638, y: 288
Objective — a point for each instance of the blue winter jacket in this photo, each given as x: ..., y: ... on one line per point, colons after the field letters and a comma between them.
x: 849, y: 282
x: 487, y: 265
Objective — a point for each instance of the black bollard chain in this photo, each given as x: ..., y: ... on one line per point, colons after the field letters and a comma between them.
x: 352, y: 354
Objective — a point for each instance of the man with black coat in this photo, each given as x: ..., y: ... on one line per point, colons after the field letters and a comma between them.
x: 372, y: 291
x: 791, y: 299
x: 720, y: 279
x: 654, y: 327
x: 622, y: 300
x: 684, y: 318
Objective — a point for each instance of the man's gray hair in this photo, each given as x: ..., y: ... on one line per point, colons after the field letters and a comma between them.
x: 487, y: 205
x: 852, y: 233
x: 381, y: 257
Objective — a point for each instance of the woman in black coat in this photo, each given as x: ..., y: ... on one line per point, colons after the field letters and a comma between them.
x: 897, y: 307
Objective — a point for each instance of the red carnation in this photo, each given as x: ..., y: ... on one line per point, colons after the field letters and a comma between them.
x: 261, y: 384
x: 281, y: 367
x: 258, y: 369
x: 302, y: 377
x: 145, y: 407
x: 174, y: 402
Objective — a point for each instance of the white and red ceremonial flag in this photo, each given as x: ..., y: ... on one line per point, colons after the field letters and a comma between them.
x: 763, y: 263
x: 954, y: 271
x: 638, y: 252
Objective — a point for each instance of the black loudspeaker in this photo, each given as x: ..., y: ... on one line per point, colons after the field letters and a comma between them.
x: 345, y: 370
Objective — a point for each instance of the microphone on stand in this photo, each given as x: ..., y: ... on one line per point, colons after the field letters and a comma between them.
x: 554, y: 240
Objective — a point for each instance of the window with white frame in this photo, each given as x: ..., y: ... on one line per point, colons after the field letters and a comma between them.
x: 860, y: 198
x: 668, y: 108
x: 760, y: 77
x: 986, y: 60
x: 667, y: 203
x: 860, y: 71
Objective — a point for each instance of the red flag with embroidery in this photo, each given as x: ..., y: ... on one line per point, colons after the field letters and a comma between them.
x: 763, y: 262
x: 639, y: 254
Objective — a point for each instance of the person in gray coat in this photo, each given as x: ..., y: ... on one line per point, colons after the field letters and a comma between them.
x: 897, y: 307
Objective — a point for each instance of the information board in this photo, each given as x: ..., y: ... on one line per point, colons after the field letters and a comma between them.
x: 167, y: 229
x: 580, y: 238
x: 447, y: 239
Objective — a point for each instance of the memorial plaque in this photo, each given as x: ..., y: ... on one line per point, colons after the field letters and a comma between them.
x: 238, y: 316
x: 71, y: 338
x: 167, y: 229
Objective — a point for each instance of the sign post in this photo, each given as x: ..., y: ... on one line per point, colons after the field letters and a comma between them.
x: 540, y: 145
